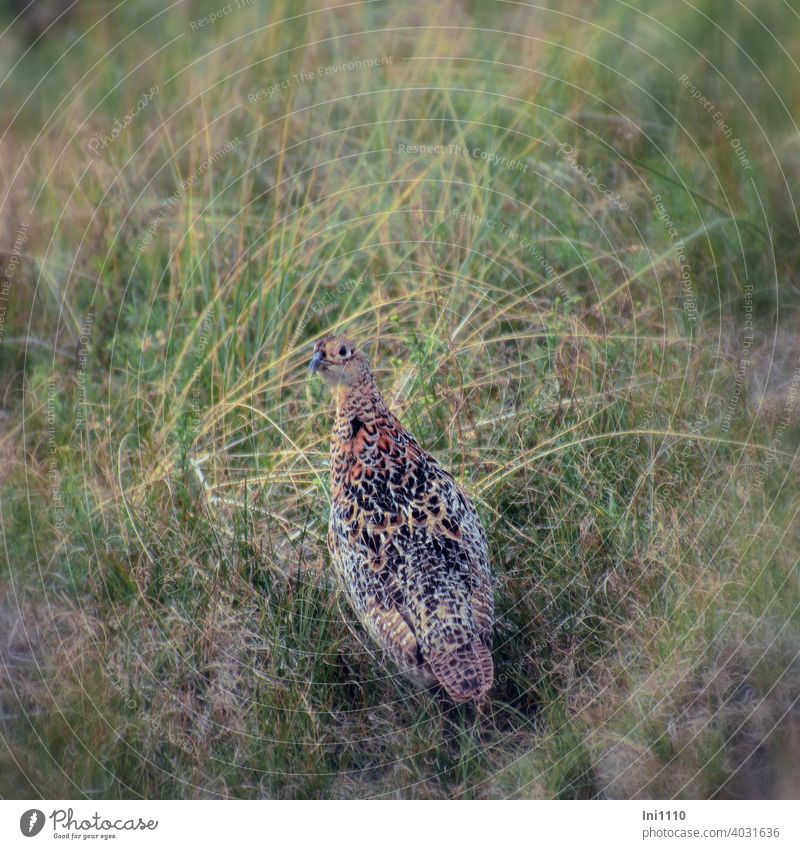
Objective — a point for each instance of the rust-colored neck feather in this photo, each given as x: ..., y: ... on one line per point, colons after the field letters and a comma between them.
x: 362, y: 401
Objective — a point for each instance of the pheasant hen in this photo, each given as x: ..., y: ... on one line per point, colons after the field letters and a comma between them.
x: 405, y: 539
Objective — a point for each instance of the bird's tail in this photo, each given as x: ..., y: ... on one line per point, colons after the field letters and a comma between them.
x: 466, y: 673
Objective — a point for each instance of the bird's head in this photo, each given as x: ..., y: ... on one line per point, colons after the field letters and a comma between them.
x: 339, y: 363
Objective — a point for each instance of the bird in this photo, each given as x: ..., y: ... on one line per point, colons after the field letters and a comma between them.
x: 405, y: 539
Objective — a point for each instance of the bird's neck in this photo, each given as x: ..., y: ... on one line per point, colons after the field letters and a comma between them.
x: 362, y: 401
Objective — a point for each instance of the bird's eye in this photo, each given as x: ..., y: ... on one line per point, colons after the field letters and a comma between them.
x: 343, y: 351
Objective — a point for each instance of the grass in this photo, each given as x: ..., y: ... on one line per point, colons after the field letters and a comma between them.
x: 629, y: 434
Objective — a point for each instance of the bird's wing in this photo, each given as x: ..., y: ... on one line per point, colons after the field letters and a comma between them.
x: 391, y: 629
x: 375, y: 595
x: 440, y: 557
x: 456, y: 607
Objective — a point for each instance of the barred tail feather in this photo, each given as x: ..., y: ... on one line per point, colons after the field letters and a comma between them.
x: 465, y: 673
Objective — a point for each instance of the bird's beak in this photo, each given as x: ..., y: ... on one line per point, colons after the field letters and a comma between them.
x: 316, y: 362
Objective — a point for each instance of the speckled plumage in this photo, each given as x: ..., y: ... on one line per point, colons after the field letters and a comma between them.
x: 405, y: 539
